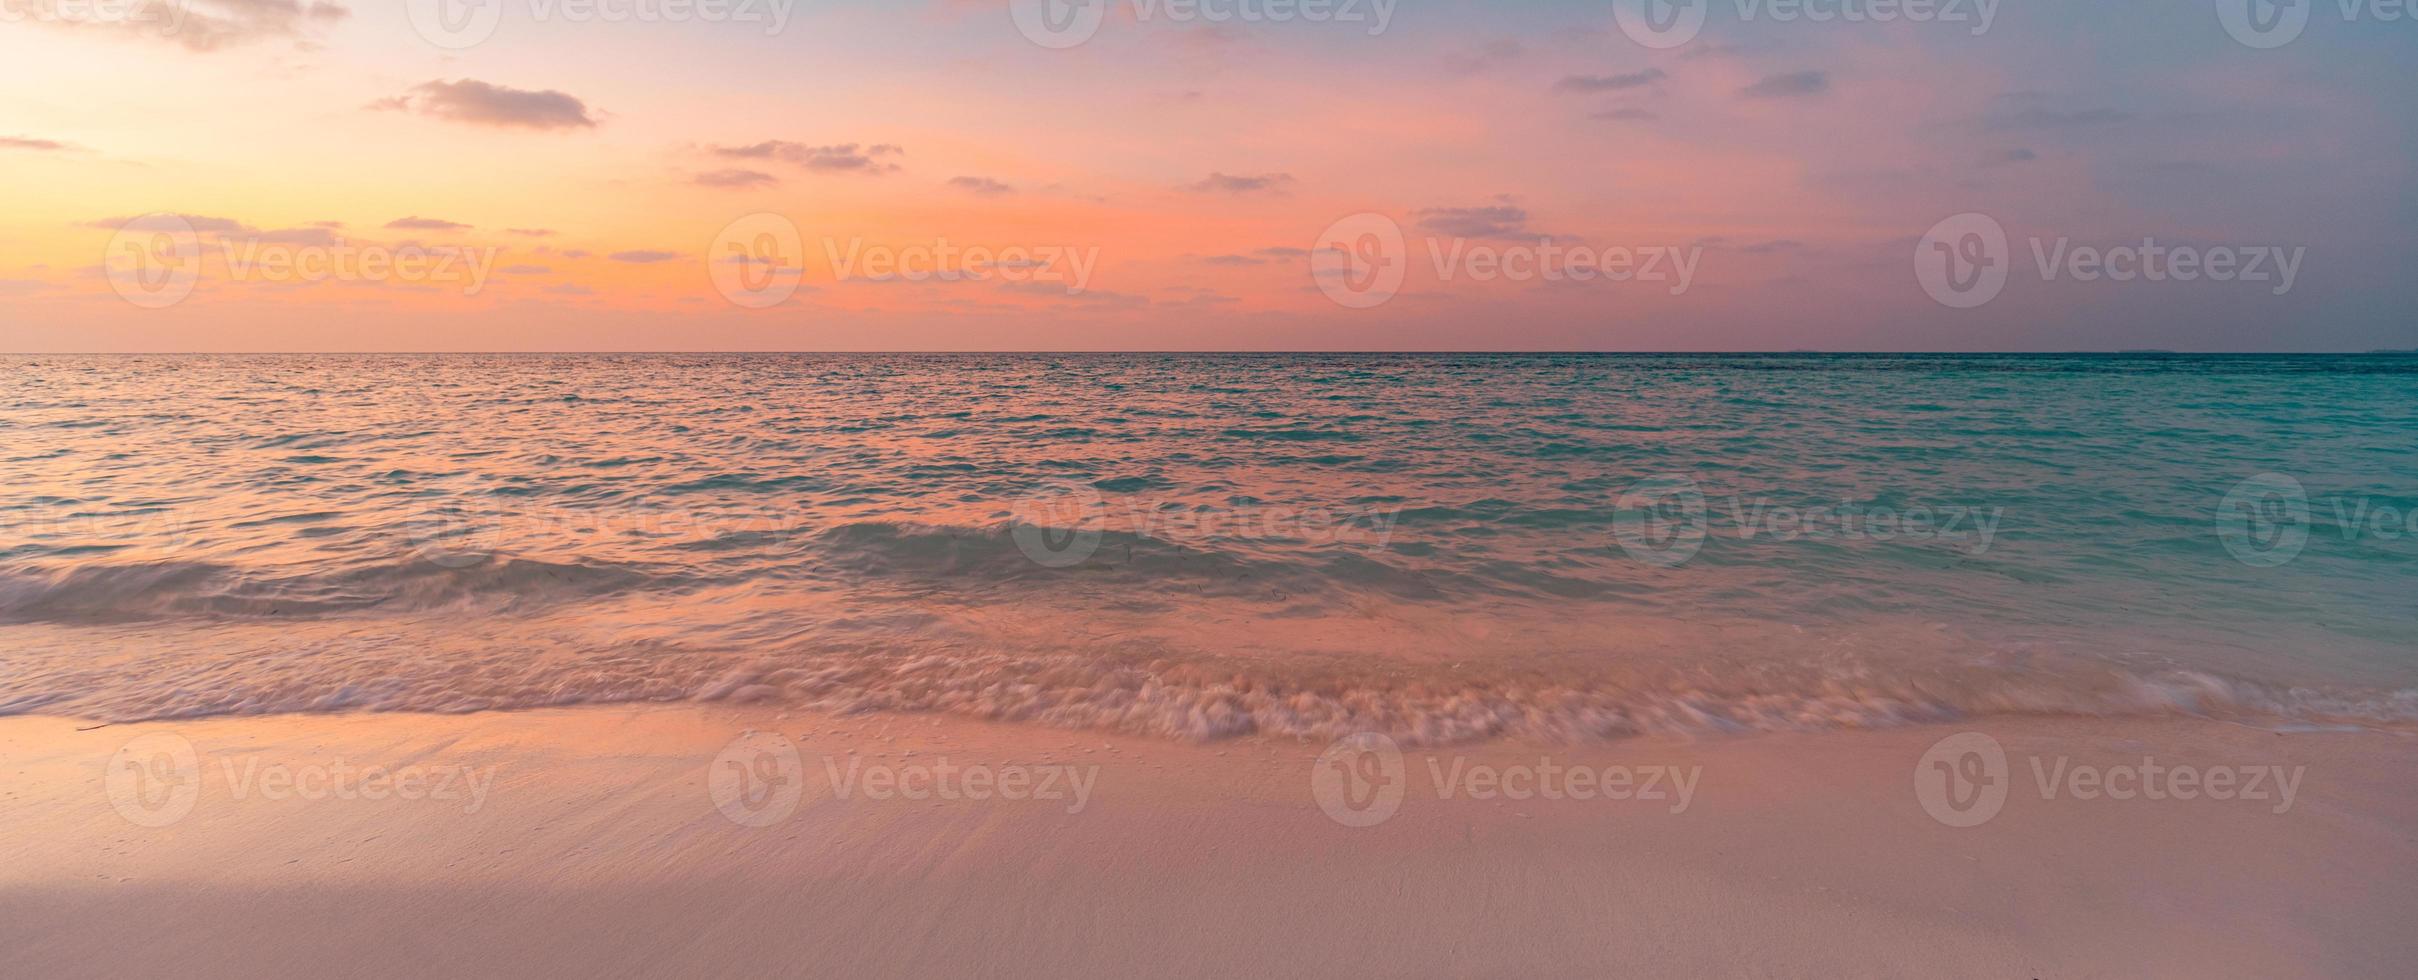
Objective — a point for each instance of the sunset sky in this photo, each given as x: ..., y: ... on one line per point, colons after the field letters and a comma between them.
x: 1187, y: 168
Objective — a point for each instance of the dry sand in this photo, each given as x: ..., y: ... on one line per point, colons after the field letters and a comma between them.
x: 598, y: 849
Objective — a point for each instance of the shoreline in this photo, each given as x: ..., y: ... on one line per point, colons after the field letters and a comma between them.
x: 665, y: 838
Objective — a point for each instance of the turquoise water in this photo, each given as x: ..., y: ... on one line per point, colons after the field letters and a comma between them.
x: 1443, y: 547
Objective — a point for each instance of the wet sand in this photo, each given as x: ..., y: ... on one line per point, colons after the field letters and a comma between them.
x: 591, y: 842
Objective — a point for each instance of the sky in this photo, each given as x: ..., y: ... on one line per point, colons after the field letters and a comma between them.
x: 289, y: 175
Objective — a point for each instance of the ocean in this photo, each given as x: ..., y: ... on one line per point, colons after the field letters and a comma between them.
x: 1444, y: 548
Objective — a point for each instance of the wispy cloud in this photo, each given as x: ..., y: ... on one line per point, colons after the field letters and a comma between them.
x: 173, y: 223
x: 426, y: 224
x: 483, y: 104
x: 1610, y: 83
x: 736, y: 179
x: 1221, y: 183
x: 1495, y: 221
x: 28, y: 143
x: 195, y: 25
x: 833, y: 158
x: 2033, y: 111
x: 318, y: 233
x: 981, y: 186
x: 1486, y: 57
x: 643, y: 256
x: 1788, y: 85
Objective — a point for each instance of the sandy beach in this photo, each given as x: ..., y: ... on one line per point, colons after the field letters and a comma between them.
x: 602, y: 842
